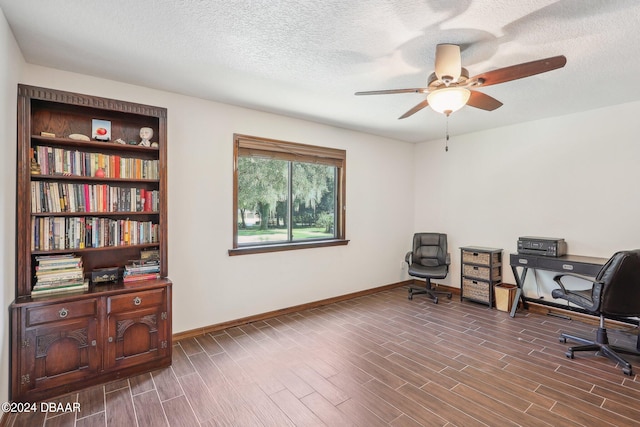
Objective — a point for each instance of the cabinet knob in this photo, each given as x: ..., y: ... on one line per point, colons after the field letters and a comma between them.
x: 110, y: 339
x: 93, y: 343
x: 137, y: 301
x: 63, y: 313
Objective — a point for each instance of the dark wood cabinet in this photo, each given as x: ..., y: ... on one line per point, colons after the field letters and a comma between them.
x: 58, y: 343
x: 67, y: 341
x: 136, y: 331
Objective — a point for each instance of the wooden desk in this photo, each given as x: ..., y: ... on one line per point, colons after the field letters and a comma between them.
x: 577, y: 264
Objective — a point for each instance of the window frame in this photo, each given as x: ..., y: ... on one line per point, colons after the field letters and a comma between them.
x: 296, y: 152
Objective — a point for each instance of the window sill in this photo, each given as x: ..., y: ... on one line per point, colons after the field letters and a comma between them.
x: 248, y: 250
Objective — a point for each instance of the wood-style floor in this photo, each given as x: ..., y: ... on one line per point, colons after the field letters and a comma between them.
x: 378, y: 360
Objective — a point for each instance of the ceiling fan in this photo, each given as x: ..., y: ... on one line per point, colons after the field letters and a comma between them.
x: 450, y: 88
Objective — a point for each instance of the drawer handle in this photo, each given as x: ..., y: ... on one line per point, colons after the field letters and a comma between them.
x: 567, y: 267
x: 137, y: 301
x: 523, y: 261
x: 475, y: 268
x: 63, y: 313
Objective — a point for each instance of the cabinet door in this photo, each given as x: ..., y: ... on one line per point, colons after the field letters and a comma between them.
x: 137, y: 328
x: 58, y: 353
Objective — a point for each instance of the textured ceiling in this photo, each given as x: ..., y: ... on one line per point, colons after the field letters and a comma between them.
x: 306, y: 58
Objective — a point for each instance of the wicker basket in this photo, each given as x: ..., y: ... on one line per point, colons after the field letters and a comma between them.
x: 476, y: 290
x: 481, y: 272
x: 480, y: 258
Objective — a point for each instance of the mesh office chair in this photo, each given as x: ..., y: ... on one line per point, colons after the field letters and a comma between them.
x: 615, y: 292
x: 428, y: 260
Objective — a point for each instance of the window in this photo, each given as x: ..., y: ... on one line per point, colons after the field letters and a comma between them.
x: 286, y: 195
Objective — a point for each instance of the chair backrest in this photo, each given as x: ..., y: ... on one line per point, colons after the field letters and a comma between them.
x: 621, y: 284
x: 429, y: 249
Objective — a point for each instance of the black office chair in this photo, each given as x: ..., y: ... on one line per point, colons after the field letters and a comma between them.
x: 428, y: 260
x: 615, y: 293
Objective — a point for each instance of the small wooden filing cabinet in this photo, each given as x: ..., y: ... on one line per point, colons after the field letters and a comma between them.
x: 480, y: 271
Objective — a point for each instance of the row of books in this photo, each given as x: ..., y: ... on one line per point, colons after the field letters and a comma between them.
x: 141, y: 270
x: 72, y: 197
x: 60, y: 233
x: 59, y: 161
x: 58, y: 274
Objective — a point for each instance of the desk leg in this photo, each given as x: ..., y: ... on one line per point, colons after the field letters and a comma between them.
x: 519, y: 292
x: 514, y: 307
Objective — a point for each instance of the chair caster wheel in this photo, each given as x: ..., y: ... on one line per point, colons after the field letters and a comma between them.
x: 449, y: 296
x: 569, y: 354
x: 410, y: 295
x: 599, y: 353
x: 435, y: 300
x: 563, y: 340
x: 627, y: 371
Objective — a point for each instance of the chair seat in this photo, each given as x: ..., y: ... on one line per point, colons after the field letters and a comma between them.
x: 437, y: 272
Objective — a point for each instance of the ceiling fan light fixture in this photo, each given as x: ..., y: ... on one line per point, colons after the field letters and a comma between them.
x: 448, y: 100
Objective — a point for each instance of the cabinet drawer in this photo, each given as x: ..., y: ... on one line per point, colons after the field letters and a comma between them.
x: 480, y: 258
x: 476, y: 290
x: 61, y: 311
x: 484, y: 273
x: 135, y: 300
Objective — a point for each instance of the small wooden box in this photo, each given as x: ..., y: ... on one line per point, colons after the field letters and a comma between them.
x: 104, y: 275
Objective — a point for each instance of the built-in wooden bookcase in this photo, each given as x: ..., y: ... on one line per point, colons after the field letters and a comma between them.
x: 66, y: 341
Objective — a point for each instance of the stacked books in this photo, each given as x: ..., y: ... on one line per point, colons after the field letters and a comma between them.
x: 59, y: 274
x: 141, y: 269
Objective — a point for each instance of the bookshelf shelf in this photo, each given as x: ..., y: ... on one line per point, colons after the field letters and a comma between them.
x: 62, y: 178
x: 106, y: 214
x: 96, y: 145
x: 104, y: 248
x: 75, y: 198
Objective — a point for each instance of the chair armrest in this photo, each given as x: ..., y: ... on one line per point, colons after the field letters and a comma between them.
x: 407, y: 257
x: 448, y: 259
x: 558, y: 279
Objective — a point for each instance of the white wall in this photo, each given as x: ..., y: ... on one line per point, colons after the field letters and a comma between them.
x: 211, y: 287
x: 10, y: 69
x: 574, y: 177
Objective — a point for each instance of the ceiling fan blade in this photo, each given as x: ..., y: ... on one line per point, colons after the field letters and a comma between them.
x: 414, y: 110
x: 519, y: 71
x: 390, y: 91
x: 483, y: 101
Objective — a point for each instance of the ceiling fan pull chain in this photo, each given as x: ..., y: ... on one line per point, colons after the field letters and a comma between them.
x: 446, y: 144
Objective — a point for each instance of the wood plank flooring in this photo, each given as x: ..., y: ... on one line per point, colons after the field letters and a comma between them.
x: 378, y: 360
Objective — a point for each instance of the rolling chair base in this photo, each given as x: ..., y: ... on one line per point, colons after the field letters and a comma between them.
x: 429, y: 291
x: 601, y: 347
